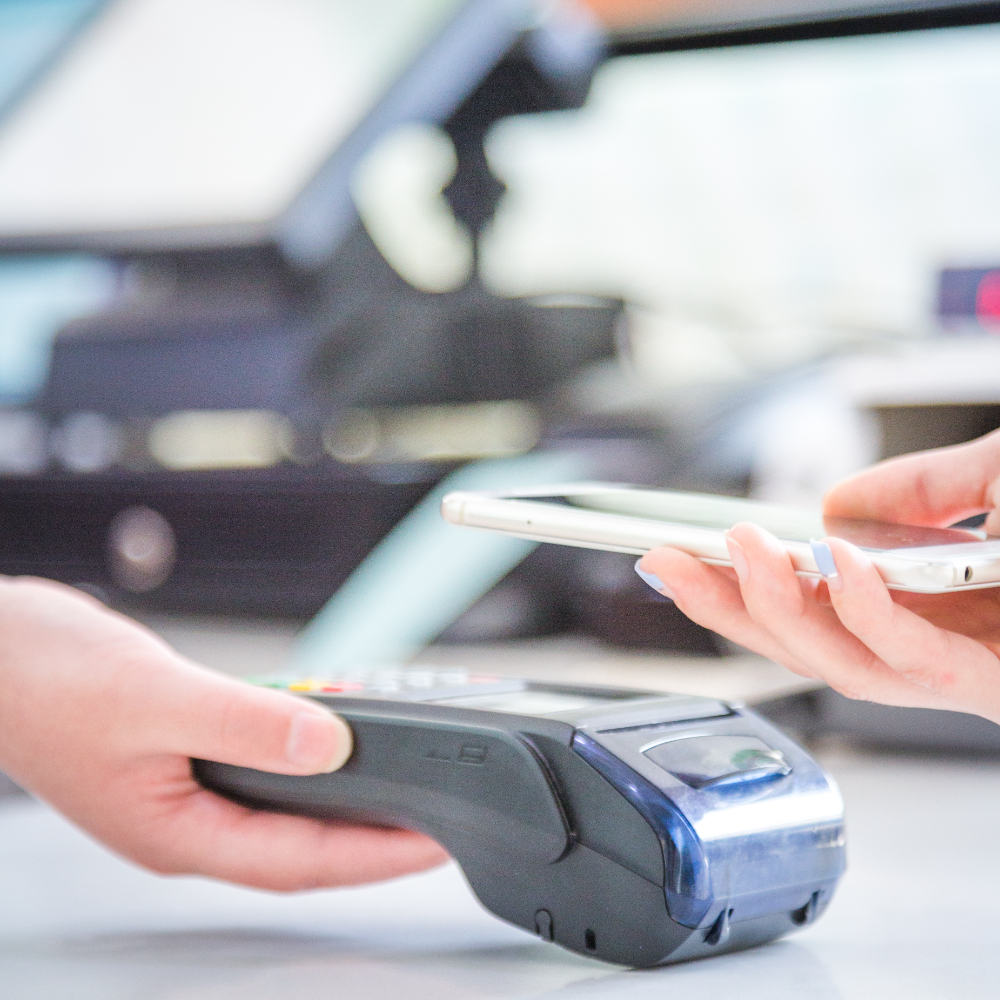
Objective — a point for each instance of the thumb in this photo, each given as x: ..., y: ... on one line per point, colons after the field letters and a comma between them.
x: 931, y: 488
x: 218, y: 718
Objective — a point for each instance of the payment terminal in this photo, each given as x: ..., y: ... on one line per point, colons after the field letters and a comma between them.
x: 633, y: 826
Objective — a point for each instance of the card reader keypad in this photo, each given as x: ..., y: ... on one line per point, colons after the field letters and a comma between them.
x: 382, y: 682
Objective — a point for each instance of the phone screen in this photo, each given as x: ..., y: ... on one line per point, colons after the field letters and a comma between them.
x: 786, y: 523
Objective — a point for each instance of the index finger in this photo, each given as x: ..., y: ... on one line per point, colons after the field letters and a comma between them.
x: 182, y: 829
x: 931, y: 488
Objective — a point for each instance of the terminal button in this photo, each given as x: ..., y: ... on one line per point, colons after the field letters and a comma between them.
x: 717, y: 761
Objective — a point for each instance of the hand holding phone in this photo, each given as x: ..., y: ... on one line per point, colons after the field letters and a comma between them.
x: 895, y: 647
x: 910, y: 617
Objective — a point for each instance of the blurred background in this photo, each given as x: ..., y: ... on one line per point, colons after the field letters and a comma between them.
x: 276, y: 273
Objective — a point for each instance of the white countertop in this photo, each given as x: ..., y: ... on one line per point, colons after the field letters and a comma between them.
x: 924, y: 372
x: 916, y: 917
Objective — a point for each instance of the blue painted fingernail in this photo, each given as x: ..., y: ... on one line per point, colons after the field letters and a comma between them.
x: 655, y: 582
x: 824, y: 557
x: 650, y: 578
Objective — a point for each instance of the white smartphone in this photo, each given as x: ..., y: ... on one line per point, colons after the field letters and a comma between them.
x: 622, y: 518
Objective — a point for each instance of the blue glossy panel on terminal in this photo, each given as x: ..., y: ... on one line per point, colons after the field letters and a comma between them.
x: 688, y: 886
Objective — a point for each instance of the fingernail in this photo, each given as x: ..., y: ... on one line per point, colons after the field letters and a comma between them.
x: 654, y: 581
x: 314, y: 745
x: 826, y: 564
x: 738, y: 558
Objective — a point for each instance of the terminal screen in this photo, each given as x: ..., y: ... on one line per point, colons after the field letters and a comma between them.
x: 529, y: 702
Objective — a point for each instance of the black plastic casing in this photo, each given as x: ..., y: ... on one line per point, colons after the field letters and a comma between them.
x: 545, y: 841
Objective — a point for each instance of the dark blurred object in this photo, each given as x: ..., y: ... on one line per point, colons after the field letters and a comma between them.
x: 969, y: 300
x: 541, y: 73
x: 201, y: 445
x: 309, y: 349
x: 587, y: 592
x: 276, y: 541
x: 812, y: 714
x: 530, y: 601
x: 905, y: 429
x: 611, y: 603
x: 397, y: 346
x: 671, y: 25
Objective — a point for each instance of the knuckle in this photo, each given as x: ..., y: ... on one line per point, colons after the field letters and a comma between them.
x: 926, y: 676
x: 931, y: 671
